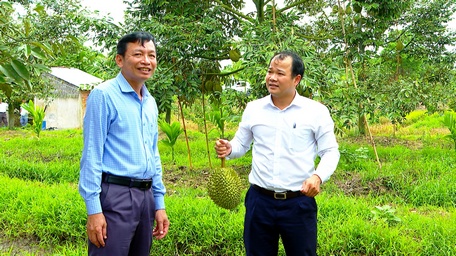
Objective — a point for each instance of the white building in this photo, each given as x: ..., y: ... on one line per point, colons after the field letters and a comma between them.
x: 66, y: 110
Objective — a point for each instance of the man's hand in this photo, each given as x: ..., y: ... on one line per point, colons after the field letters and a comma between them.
x: 97, y: 229
x: 311, y: 186
x: 162, y: 224
x: 223, y: 148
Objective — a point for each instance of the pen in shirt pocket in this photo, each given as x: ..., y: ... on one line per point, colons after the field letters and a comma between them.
x: 294, y: 125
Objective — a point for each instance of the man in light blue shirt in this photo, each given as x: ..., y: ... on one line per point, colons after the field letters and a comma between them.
x: 121, y: 173
x: 288, y: 132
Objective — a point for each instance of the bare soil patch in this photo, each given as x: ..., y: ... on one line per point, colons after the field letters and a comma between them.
x: 21, y: 246
x: 353, y: 184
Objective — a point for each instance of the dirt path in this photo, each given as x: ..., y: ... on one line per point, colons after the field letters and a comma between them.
x: 25, y: 247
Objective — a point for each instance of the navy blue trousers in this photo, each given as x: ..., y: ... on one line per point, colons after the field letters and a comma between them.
x: 129, y: 214
x: 267, y: 219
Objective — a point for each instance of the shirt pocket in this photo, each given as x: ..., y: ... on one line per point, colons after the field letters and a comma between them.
x: 151, y: 124
x: 301, y: 138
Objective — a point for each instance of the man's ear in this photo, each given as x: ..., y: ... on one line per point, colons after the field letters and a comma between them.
x: 119, y: 60
x: 297, y: 79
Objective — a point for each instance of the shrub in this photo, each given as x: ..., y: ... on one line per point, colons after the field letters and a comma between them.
x: 37, y: 114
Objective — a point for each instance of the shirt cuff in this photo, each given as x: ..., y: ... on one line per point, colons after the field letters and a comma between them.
x: 93, y: 206
x: 159, y: 203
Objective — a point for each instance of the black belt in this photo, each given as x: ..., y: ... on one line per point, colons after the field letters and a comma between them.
x: 277, y: 195
x: 143, y: 184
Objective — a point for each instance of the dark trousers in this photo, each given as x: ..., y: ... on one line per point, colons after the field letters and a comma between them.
x: 3, y: 119
x: 266, y: 219
x: 129, y: 214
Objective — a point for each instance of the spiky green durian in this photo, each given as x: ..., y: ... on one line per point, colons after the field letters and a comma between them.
x: 234, y: 54
x: 224, y: 188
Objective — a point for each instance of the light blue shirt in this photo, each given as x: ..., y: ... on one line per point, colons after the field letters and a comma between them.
x: 286, y: 142
x: 120, y: 138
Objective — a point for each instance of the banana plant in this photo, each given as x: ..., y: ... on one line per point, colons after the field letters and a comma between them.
x: 172, y: 132
x: 37, y: 114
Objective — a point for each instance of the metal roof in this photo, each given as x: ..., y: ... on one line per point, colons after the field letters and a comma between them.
x: 75, y: 76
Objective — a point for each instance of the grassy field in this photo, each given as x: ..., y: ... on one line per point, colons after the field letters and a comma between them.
x: 406, y: 207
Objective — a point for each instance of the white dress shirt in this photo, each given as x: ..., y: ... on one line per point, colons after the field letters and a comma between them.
x: 286, y: 142
x: 3, y: 107
x: 23, y: 111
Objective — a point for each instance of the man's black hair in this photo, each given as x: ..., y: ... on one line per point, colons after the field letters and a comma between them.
x: 297, y: 65
x: 135, y: 37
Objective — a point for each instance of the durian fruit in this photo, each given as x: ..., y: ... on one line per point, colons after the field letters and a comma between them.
x: 224, y: 188
x: 357, y: 7
x: 399, y: 45
x: 209, y: 86
x: 234, y: 54
x: 217, y: 87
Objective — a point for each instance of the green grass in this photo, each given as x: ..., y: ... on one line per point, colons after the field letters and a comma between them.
x: 40, y: 205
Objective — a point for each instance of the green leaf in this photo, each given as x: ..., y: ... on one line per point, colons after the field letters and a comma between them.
x: 28, y: 50
x: 40, y: 9
x: 27, y: 27
x: 6, y: 5
x: 38, y: 116
x: 38, y: 53
x: 21, y: 69
x: 172, y: 132
x: 45, y: 48
x: 9, y: 72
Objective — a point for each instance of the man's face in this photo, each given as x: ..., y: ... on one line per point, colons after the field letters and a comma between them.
x: 279, y: 80
x: 139, y: 62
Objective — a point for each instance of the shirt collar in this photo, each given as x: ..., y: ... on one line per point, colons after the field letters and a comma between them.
x: 297, y: 101
x: 123, y: 83
x: 125, y: 87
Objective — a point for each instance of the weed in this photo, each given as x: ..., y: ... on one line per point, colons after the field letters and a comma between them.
x: 385, y: 213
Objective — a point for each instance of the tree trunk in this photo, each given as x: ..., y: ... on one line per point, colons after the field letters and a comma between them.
x: 11, y: 117
x: 168, y: 115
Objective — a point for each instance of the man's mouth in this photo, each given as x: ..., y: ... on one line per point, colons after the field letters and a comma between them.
x: 145, y: 69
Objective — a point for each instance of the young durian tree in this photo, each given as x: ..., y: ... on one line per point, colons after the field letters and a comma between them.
x: 172, y: 132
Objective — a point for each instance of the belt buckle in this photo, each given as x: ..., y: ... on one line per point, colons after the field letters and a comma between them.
x: 147, y: 185
x: 144, y: 185
x: 280, y: 195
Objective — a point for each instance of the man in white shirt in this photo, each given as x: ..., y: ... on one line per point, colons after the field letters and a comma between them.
x: 24, y: 115
x: 288, y: 131
x: 3, y: 116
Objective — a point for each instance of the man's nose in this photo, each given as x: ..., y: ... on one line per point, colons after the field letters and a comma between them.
x: 146, y: 59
